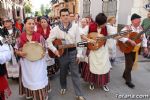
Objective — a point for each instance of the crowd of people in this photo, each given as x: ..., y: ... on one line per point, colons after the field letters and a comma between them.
x: 94, y: 66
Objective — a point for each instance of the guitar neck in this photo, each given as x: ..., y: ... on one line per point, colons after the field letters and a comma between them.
x: 112, y: 36
x: 66, y: 46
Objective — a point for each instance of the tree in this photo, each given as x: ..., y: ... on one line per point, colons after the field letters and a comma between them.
x: 27, y: 9
x: 42, y: 9
x: 47, y: 11
x: 38, y: 13
x: 27, y: 6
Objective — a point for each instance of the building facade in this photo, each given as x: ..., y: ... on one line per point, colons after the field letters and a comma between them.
x: 93, y: 7
x: 121, y: 9
x: 11, y: 8
x: 72, y: 5
x: 128, y: 7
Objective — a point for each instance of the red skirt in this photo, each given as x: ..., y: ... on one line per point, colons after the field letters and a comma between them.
x: 98, y: 80
x: 4, y: 88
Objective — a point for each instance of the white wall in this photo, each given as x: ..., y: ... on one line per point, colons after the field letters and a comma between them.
x: 124, y: 11
x: 96, y: 7
x: 128, y: 7
x: 138, y: 7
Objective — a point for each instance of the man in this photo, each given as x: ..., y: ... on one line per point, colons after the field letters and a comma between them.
x: 130, y: 57
x: 146, y: 24
x: 69, y: 33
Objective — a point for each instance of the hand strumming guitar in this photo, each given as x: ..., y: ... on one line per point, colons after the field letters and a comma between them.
x: 56, y: 52
x: 132, y: 42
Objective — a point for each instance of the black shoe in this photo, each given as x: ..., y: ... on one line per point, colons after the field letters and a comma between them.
x: 130, y: 85
x: 148, y: 57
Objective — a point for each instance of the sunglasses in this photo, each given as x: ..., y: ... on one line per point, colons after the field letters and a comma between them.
x: 7, y: 21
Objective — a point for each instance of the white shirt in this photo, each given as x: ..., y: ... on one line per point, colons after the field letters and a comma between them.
x: 138, y: 30
x: 85, y: 30
x: 5, y: 53
x: 111, y: 29
x: 10, y: 31
x: 72, y: 37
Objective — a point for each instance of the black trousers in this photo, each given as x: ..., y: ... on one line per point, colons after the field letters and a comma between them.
x: 129, y: 61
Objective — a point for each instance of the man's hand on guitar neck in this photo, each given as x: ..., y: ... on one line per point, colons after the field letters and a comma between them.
x: 132, y: 42
x: 56, y: 52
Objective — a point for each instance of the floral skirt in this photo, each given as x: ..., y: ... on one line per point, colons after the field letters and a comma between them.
x: 98, y: 80
x: 12, y: 70
x: 52, y: 70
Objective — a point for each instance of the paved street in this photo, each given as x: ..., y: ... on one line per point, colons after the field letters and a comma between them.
x: 117, y: 86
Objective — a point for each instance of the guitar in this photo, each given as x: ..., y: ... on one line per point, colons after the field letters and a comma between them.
x: 60, y: 47
x: 101, y: 39
x: 127, y: 47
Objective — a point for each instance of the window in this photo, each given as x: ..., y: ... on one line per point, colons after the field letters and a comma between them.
x: 86, y: 8
x: 110, y: 7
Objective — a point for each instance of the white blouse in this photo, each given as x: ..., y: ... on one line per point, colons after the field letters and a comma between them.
x: 5, y: 53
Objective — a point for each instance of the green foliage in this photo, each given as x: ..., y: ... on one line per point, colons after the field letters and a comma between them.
x: 42, y: 10
x: 27, y: 9
x: 45, y: 10
x: 38, y: 13
x: 27, y: 6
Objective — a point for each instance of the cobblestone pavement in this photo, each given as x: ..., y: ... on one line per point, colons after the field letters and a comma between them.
x: 118, y: 89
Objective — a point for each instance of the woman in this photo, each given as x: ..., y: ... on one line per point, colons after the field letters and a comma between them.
x: 33, y: 73
x: 44, y: 30
x: 19, y: 24
x: 84, y: 30
x: 11, y: 33
x: 5, y: 55
x: 97, y: 71
x: 111, y: 43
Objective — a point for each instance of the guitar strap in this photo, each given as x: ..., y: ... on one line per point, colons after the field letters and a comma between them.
x: 104, y: 32
x: 136, y: 49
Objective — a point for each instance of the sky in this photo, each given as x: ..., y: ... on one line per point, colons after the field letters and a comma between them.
x: 37, y: 3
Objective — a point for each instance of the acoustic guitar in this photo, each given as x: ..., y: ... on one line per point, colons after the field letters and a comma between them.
x: 60, y: 47
x: 127, y: 47
x: 101, y: 39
